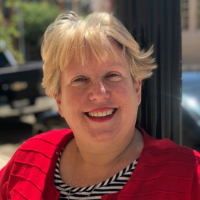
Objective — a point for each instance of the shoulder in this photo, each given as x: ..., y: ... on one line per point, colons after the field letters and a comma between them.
x: 168, y: 158
x: 165, y: 149
x: 169, y: 149
x: 40, y: 148
x: 47, y: 143
x: 177, y: 166
x: 35, y: 158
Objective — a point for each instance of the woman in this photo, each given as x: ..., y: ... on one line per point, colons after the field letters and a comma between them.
x: 94, y: 70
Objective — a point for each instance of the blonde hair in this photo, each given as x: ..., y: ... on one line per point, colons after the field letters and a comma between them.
x: 70, y: 37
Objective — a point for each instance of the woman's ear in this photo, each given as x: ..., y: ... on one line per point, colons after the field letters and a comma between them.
x: 59, y: 104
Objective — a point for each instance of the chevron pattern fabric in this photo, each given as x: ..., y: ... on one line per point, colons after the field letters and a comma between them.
x: 111, y: 185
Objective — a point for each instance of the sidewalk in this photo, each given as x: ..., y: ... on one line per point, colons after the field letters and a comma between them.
x: 3, y: 160
x: 6, y: 152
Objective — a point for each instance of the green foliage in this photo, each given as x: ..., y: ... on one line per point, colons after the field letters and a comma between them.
x: 37, y: 16
x: 8, y: 32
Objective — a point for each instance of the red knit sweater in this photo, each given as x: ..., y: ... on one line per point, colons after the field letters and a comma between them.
x: 165, y: 171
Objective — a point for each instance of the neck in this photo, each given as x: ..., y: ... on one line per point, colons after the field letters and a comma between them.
x: 105, y: 154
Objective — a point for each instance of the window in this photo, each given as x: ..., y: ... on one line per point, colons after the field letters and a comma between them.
x: 198, y: 14
x: 184, y: 14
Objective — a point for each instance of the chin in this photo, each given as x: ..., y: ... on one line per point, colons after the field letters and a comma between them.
x: 102, y: 136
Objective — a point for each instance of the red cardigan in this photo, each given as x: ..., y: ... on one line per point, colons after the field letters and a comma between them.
x: 165, y: 171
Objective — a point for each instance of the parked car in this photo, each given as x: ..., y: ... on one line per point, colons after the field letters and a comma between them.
x: 191, y: 109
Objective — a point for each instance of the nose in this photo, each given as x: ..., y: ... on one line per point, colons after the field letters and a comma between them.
x: 99, y: 91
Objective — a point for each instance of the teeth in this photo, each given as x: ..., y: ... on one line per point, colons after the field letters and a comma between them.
x: 101, y: 114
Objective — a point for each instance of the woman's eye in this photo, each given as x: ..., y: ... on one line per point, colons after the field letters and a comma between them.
x: 113, y: 77
x: 79, y: 79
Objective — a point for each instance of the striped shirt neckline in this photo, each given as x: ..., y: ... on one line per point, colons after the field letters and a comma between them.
x: 109, y: 186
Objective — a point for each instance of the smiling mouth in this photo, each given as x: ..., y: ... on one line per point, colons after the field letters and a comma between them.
x: 101, y: 114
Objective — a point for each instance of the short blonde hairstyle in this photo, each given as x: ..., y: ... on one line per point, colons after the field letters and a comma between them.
x: 70, y: 37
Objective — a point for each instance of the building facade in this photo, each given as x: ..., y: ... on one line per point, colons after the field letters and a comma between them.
x: 190, y: 14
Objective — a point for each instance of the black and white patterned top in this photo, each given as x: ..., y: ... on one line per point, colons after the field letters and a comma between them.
x: 111, y: 185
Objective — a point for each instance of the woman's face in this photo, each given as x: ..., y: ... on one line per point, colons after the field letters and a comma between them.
x: 99, y: 101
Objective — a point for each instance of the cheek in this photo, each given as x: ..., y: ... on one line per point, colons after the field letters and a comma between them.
x: 125, y: 92
x: 73, y: 99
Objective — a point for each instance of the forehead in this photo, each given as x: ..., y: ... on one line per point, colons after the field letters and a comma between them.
x: 85, y: 51
x: 110, y: 57
x: 93, y: 61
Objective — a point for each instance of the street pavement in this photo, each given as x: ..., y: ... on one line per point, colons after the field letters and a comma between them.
x: 6, y: 152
